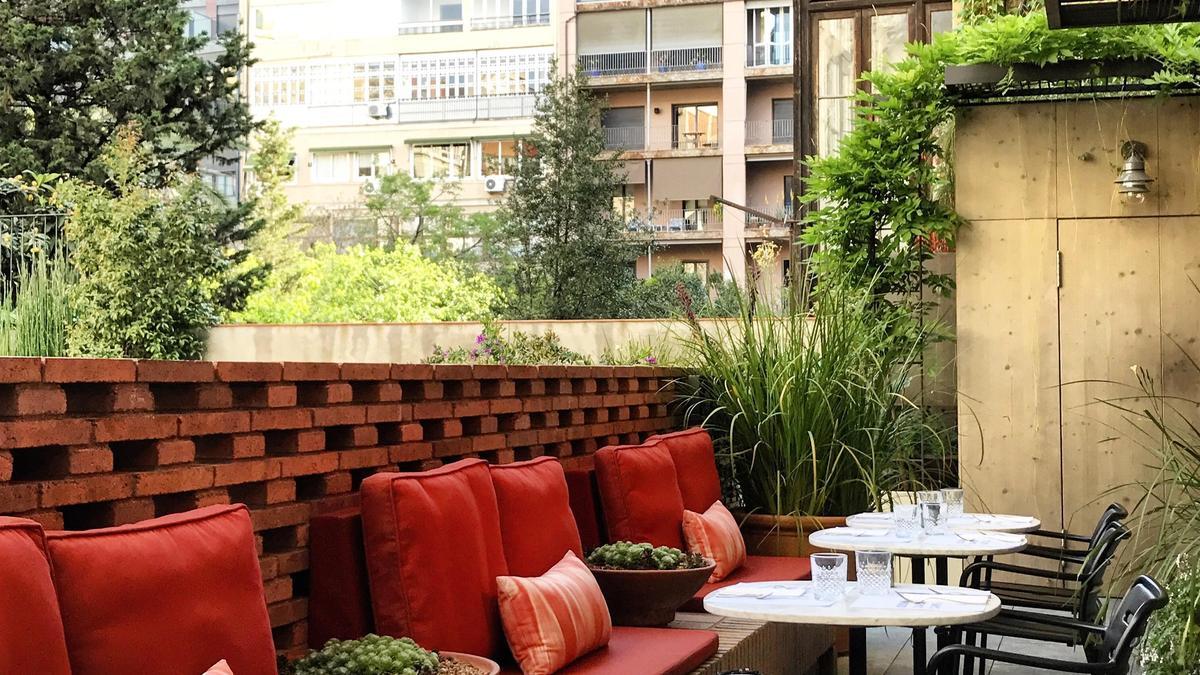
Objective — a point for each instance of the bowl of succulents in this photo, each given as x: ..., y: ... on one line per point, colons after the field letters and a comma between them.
x: 645, y: 585
x: 383, y: 655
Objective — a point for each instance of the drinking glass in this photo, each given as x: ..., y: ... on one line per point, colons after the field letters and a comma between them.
x: 929, y: 496
x: 906, y: 520
x: 829, y: 575
x: 934, y: 518
x: 953, y: 499
x: 874, y: 569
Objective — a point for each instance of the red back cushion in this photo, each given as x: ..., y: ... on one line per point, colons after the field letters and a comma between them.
x: 339, y: 597
x: 585, y: 505
x: 640, y: 494
x: 695, y: 467
x: 166, y: 596
x: 433, y: 554
x: 31, y: 628
x: 536, y: 523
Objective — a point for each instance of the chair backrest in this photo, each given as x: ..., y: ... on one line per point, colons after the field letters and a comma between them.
x: 1127, y: 623
x: 1091, y: 573
x: 1115, y: 513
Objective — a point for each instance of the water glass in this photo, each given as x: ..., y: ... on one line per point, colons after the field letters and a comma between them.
x: 828, y: 575
x: 934, y: 517
x: 906, y: 520
x: 953, y: 499
x: 874, y: 569
x: 929, y: 496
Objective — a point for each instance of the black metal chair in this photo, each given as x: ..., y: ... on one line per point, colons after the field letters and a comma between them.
x: 1112, y: 655
x: 1064, y: 552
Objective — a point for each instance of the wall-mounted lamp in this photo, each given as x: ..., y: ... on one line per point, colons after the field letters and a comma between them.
x: 1133, y: 182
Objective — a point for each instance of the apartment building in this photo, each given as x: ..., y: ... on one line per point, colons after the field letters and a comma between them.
x: 700, y: 99
x: 428, y: 87
x: 212, y: 18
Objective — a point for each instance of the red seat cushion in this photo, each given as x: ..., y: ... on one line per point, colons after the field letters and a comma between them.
x: 645, y: 651
x: 640, y: 494
x: 756, y: 568
x: 585, y: 506
x: 536, y: 523
x: 165, y: 596
x: 433, y: 554
x: 339, y: 597
x: 695, y: 467
x: 31, y: 628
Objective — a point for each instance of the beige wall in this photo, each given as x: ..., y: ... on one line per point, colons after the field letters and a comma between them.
x: 1034, y: 359
x: 764, y: 184
x: 761, y: 93
x: 673, y: 255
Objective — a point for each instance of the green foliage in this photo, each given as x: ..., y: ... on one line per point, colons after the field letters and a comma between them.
x: 646, y: 352
x: 626, y: 555
x: 571, y: 258
x: 672, y: 290
x: 1172, y: 643
x: 271, y: 168
x: 36, y: 308
x: 148, y: 260
x: 370, y: 655
x: 492, y: 346
x: 369, y: 284
x: 810, y: 410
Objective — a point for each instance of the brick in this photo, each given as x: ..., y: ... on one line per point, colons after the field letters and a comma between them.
x: 449, y: 447
x: 471, y: 408
x: 6, y: 466
x: 547, y: 436
x: 18, y: 497
x: 212, y: 423
x: 183, y: 479
x: 288, y: 611
x: 483, y: 443
x: 102, y: 488
x: 365, y: 457
x: 237, y: 371
x: 388, y: 412
x: 89, y: 459
x: 245, y: 471
x: 49, y: 519
x: 284, y: 515
x: 20, y: 369
x: 325, y: 393
x: 128, y: 511
x: 280, y: 491
x: 425, y: 391
x: 278, y: 589
x: 291, y: 562
x: 135, y: 427
x: 210, y: 497
x: 304, y: 371
x: 518, y: 439
x: 489, y: 372
x: 281, y: 418
x: 451, y: 371
x: 303, y: 465
x: 107, y: 398
x: 378, y: 392
x: 323, y: 485
x: 411, y: 432
x: 515, y: 422
x: 175, y: 371
x: 410, y: 452
x: 351, y: 437
x: 339, y: 415
x: 89, y: 370
x: 33, y: 399
x: 272, y: 395
x: 523, y: 372
x: 412, y: 371
x: 34, y: 433
x: 504, y: 406
x: 432, y: 410
x: 366, y: 371
x: 239, y: 446
x: 292, y: 442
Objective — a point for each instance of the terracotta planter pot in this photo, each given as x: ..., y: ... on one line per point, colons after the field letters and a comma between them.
x: 485, y: 666
x: 648, y: 597
x: 785, y: 536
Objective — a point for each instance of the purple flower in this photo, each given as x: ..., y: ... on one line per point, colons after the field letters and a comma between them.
x: 474, y: 354
x: 480, y: 338
x: 487, y: 350
x: 651, y: 360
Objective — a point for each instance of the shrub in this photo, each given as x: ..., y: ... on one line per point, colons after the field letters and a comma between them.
x: 626, y: 555
x: 369, y: 284
x: 518, y: 348
x: 370, y: 655
x: 36, y: 309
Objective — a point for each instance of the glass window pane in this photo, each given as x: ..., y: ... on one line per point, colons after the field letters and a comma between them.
x: 836, y: 119
x: 835, y: 57
x: 889, y: 33
x: 941, y: 21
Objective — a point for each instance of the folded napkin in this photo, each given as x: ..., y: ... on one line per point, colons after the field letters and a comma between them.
x: 1002, y: 537
x: 761, y: 591
x: 957, y: 598
x: 856, y: 532
x: 873, y: 515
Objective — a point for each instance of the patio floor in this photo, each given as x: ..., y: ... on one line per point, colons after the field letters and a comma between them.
x: 889, y: 652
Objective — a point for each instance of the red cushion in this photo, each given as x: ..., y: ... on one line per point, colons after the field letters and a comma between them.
x: 536, y: 523
x: 645, y: 651
x: 433, y: 554
x: 339, y: 597
x: 165, y: 596
x: 695, y: 467
x: 640, y: 494
x: 756, y: 568
x: 585, y: 506
x: 31, y: 628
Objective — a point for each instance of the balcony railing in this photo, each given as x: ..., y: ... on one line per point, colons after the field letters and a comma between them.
x: 679, y: 221
x: 688, y: 59
x: 417, y: 27
x: 781, y: 211
x: 769, y: 132
x: 766, y: 55
x: 687, y: 139
x: 509, y: 21
x: 614, y: 63
x: 477, y: 107
x: 624, y: 138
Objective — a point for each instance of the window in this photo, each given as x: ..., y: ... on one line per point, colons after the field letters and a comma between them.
x: 500, y: 157
x: 940, y: 20
x: 697, y: 267
x: 443, y: 76
x: 696, y: 126
x: 430, y: 16
x: 625, y: 207
x: 372, y: 163
x: 450, y: 160
x: 331, y: 167
x: 279, y: 85
x: 694, y: 214
x: 781, y: 120
x: 624, y: 128
x: 789, y: 194
x: 769, y: 36
x: 198, y: 24
x: 835, y: 80
x: 513, y: 73
x: 227, y: 19
x: 510, y: 13
x: 345, y: 166
x: 374, y: 82
x: 889, y: 34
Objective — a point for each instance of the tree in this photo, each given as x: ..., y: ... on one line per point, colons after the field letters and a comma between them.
x: 271, y: 166
x: 571, y: 258
x: 73, y: 73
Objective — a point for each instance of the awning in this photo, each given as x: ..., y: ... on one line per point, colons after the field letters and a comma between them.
x: 634, y: 171
x: 686, y: 178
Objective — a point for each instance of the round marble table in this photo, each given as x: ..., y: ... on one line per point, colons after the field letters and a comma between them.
x: 988, y: 522
x: 914, y: 606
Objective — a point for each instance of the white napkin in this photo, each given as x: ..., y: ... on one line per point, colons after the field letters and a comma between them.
x: 1002, y: 537
x: 958, y: 598
x: 856, y: 532
x: 743, y: 591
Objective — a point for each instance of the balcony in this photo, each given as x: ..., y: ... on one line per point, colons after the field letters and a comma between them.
x: 769, y: 132
x: 679, y: 223
x: 509, y: 21
x: 471, y: 108
x: 422, y: 27
x: 769, y: 55
x: 614, y: 63
x: 687, y: 60
x: 625, y: 138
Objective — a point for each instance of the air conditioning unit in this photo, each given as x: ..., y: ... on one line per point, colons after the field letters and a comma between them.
x: 379, y: 111
x: 494, y: 183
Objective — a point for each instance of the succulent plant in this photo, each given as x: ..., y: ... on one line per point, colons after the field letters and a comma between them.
x: 626, y: 555
x: 369, y: 655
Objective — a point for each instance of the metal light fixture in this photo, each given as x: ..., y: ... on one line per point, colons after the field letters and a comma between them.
x: 1133, y: 182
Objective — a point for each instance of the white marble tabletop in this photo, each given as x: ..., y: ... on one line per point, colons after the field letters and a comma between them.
x: 991, y: 522
x: 907, y: 605
x: 957, y: 543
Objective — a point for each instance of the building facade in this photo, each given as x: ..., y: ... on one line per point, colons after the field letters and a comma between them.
x: 212, y: 18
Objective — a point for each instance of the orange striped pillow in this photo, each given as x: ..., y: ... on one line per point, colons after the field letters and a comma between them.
x: 220, y: 668
x: 553, y: 619
x: 714, y: 534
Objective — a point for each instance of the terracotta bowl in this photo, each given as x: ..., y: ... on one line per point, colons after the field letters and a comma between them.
x: 486, y: 666
x: 648, y: 597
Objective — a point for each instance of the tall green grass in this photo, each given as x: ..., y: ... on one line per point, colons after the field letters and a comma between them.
x: 35, y: 306
x: 811, y: 410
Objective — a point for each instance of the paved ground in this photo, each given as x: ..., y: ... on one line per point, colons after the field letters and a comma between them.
x: 889, y: 652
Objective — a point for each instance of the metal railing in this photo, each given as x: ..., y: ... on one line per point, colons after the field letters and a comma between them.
x: 769, y: 132
x: 766, y: 55
x: 613, y: 63
x: 624, y: 138
x: 509, y: 21
x: 697, y: 139
x: 687, y: 59
x: 684, y: 220
x: 418, y: 27
x: 781, y: 211
x: 469, y: 108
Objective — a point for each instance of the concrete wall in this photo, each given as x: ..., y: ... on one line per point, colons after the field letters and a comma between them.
x: 1036, y: 351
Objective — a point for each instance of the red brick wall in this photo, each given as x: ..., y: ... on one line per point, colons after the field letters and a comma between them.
x: 91, y: 443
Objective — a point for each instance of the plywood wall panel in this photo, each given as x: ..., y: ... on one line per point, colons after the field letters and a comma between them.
x: 1090, y: 135
x: 1011, y: 166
